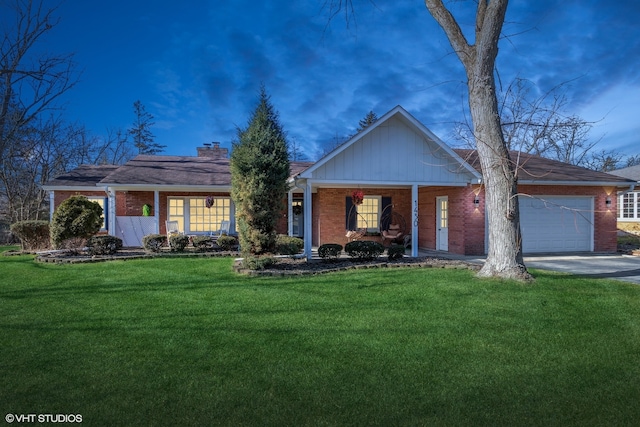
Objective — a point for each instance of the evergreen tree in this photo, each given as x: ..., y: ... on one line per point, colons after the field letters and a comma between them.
x: 141, y: 131
x: 368, y: 120
x: 259, y: 173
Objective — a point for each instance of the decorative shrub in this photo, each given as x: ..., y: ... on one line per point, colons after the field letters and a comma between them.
x: 258, y: 263
x: 288, y: 245
x: 364, y: 249
x: 154, y: 242
x: 330, y: 251
x: 226, y: 242
x: 177, y: 242
x: 202, y: 243
x: 395, y: 252
x: 147, y: 210
x: 104, y: 245
x: 76, y: 217
x: 32, y: 234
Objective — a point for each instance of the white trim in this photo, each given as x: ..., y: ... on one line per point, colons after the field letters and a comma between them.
x: 156, y: 209
x: 306, y: 212
x: 414, y: 221
x: 636, y: 209
x: 329, y: 183
x: 289, y: 213
x: 51, y: 204
x: 577, y: 183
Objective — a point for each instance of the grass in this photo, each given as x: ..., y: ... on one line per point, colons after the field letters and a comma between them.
x: 187, y: 342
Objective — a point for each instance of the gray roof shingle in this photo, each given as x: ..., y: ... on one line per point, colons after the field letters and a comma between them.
x: 83, y: 176
x: 632, y: 172
x: 540, y: 169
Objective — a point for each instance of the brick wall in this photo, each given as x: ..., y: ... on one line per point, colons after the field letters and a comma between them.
x: 466, y: 220
x: 329, y: 212
x: 129, y: 203
x: 61, y: 196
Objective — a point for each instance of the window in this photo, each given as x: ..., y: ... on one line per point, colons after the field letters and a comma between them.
x: 629, y: 206
x: 206, y: 219
x: 193, y: 216
x: 369, y: 213
x: 102, y: 201
x: 176, y: 212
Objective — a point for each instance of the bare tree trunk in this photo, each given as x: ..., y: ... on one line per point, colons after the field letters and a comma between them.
x: 505, y: 244
x: 504, y: 258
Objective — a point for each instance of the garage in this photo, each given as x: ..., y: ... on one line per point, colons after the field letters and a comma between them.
x: 556, y: 224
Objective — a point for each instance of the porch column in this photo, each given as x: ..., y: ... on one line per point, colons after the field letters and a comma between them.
x: 52, y: 201
x: 290, y: 213
x: 308, y: 230
x: 111, y: 202
x: 414, y: 220
x: 156, y: 209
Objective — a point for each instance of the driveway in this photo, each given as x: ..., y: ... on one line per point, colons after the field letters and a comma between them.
x: 620, y: 267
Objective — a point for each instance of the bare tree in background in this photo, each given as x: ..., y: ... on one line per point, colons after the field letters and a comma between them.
x: 30, y: 83
x: 35, y: 143
x: 539, y: 124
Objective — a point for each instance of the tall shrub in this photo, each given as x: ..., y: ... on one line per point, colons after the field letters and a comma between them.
x: 32, y: 234
x: 76, y: 217
x: 259, y: 172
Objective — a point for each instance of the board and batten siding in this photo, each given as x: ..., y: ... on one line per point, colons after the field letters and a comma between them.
x: 393, y: 153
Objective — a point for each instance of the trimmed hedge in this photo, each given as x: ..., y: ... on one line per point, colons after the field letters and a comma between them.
x: 364, y: 249
x: 178, y: 242
x: 258, y: 263
x: 32, y: 234
x: 154, y: 242
x: 288, y: 245
x: 202, y: 243
x: 104, y: 245
x: 395, y: 252
x: 226, y: 242
x: 330, y: 251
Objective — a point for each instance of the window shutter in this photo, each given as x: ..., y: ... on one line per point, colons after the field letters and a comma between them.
x: 350, y: 220
x: 105, y: 212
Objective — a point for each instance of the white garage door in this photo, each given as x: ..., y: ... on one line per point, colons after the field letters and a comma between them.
x: 556, y: 224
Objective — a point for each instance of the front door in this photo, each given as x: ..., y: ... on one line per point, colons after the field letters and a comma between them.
x: 297, y: 220
x: 442, y: 224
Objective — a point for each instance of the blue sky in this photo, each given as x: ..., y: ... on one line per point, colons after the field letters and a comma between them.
x: 197, y: 66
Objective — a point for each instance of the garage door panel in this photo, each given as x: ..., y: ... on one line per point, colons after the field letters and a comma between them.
x: 556, y: 224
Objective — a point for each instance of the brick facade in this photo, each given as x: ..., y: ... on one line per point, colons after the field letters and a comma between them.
x: 466, y: 219
x: 329, y: 212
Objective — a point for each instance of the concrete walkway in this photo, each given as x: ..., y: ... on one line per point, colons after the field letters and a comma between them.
x: 613, y: 266
x: 620, y: 267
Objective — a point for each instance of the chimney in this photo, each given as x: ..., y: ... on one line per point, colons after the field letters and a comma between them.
x: 214, y: 152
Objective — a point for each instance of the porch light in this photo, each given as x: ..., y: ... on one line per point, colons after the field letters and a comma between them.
x: 476, y: 201
x: 608, y: 202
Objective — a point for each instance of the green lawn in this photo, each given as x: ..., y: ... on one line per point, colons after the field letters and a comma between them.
x: 187, y: 342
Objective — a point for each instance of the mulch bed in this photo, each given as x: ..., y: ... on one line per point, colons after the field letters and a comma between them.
x: 285, y: 266
x: 293, y: 267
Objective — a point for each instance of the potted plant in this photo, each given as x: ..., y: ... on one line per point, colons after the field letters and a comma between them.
x: 357, y: 196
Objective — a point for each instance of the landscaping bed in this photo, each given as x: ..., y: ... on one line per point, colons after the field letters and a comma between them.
x: 292, y: 266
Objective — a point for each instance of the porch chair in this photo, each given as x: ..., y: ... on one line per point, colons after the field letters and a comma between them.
x: 393, y: 234
x: 172, y: 229
x: 224, y: 230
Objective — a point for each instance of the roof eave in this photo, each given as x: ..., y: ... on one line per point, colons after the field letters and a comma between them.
x: 578, y: 183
